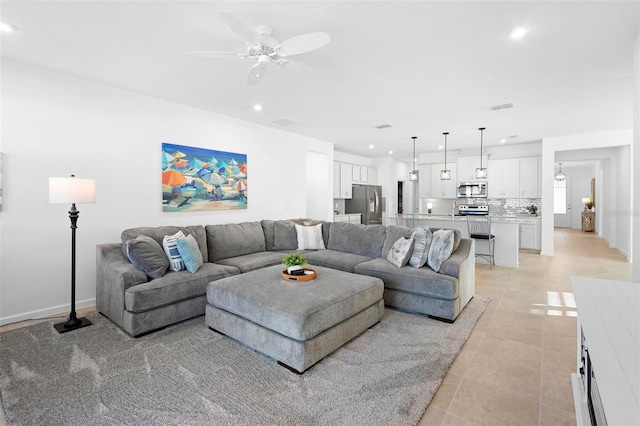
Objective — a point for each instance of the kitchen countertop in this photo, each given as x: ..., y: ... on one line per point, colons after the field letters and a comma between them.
x: 494, y: 218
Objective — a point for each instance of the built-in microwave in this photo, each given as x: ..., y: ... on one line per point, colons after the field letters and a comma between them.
x: 476, y: 189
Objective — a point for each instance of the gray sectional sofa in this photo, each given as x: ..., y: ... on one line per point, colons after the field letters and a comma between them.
x: 139, y: 304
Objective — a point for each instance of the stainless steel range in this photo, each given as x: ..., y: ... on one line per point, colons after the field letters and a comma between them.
x: 473, y: 209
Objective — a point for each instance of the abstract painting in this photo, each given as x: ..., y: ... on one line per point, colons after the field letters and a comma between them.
x: 196, y: 179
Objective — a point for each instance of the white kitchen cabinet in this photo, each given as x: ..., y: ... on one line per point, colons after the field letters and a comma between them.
x: 346, y: 174
x: 443, y: 188
x: 530, y: 234
x: 424, y: 183
x: 503, y: 177
x: 348, y: 218
x: 355, y: 218
x: 341, y: 218
x: 467, y: 165
x: 530, y: 177
x: 372, y: 176
x: 359, y: 174
x: 336, y: 180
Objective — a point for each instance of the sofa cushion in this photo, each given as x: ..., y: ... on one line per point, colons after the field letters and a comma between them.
x: 392, y: 234
x: 188, y: 248
x: 457, y: 236
x: 440, y: 249
x: 158, y: 233
x: 285, y: 237
x: 420, y: 281
x: 336, y: 259
x: 269, y: 232
x: 364, y: 240
x: 171, y: 250
x: 249, y: 262
x: 234, y: 239
x: 326, y: 227
x: 401, y: 252
x: 174, y: 287
x: 423, y: 237
x: 147, y: 255
x: 310, y: 237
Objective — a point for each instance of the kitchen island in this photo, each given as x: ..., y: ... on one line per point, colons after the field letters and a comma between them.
x: 505, y: 228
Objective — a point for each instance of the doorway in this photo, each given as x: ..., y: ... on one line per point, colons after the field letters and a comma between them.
x: 400, y: 205
x: 562, y: 203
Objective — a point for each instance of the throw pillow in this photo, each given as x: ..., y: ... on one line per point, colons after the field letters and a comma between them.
x: 285, y: 236
x: 310, y: 237
x: 441, y: 248
x: 190, y: 253
x: 423, y: 238
x: 171, y: 249
x: 146, y: 254
x: 401, y: 252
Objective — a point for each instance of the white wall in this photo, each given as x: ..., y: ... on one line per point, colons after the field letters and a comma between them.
x: 577, y: 147
x: 55, y: 124
x: 580, y: 178
x: 319, y: 192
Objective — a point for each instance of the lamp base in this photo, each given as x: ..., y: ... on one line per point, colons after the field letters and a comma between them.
x: 72, y: 324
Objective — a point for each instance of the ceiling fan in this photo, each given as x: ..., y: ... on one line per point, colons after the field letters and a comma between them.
x: 264, y: 49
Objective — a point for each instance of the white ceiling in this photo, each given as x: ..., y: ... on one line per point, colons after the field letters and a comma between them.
x: 423, y: 66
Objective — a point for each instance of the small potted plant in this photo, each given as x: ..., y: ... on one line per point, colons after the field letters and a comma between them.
x: 294, y: 262
x: 533, y: 209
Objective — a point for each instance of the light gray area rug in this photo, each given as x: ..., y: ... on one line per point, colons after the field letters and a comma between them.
x: 189, y: 375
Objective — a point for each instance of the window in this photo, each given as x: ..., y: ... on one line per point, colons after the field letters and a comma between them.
x: 560, y: 196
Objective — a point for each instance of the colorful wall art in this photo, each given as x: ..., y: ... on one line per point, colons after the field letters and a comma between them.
x: 195, y: 179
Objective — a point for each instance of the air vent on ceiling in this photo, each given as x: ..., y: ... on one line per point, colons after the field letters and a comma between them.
x: 501, y: 106
x: 384, y: 126
x: 284, y: 122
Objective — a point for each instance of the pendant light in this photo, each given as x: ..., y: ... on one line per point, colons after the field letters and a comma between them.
x: 445, y: 174
x: 560, y: 176
x: 413, y: 174
x: 481, y: 173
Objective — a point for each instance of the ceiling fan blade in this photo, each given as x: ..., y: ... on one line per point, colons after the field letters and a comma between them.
x: 212, y: 54
x: 303, y: 43
x: 238, y: 27
x: 256, y: 73
x: 288, y: 64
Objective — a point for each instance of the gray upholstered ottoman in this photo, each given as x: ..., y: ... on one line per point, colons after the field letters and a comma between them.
x: 296, y: 323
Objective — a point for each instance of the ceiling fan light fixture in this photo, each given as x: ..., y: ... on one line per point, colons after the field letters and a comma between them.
x: 6, y: 27
x: 519, y: 32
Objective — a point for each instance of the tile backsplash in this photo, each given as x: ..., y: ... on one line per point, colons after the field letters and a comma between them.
x: 497, y: 206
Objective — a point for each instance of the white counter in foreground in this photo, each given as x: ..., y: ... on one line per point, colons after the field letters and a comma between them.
x: 506, y: 230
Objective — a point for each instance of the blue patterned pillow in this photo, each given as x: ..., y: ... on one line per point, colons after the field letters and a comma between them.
x: 423, y: 238
x: 190, y: 253
x: 441, y: 248
x: 401, y: 252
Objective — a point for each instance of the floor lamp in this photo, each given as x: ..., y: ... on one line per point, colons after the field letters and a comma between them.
x: 72, y: 190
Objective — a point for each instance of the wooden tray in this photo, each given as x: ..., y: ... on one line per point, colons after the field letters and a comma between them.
x: 307, y: 277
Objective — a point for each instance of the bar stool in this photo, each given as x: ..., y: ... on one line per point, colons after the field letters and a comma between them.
x: 479, y: 228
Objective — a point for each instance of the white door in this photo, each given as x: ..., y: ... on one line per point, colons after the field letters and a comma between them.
x: 562, y: 203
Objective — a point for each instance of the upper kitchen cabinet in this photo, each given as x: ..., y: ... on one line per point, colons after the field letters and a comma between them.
x: 359, y: 174
x: 443, y: 188
x: 530, y: 177
x: 467, y: 165
x: 504, y: 178
x: 346, y: 175
x: 424, y: 182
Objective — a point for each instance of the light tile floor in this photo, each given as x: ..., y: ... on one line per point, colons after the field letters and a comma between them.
x: 515, y: 368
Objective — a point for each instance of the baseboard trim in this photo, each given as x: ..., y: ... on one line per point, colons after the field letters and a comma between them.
x: 47, y: 312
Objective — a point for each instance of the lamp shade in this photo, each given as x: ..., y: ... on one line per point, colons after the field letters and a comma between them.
x: 586, y: 200
x: 71, y: 190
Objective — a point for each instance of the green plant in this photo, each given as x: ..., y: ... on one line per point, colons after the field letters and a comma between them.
x: 293, y: 259
x: 533, y: 209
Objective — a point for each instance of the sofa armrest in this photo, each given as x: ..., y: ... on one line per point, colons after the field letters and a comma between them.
x: 114, y: 275
x: 462, y: 265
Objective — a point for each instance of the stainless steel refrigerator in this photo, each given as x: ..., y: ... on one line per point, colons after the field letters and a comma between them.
x: 367, y: 200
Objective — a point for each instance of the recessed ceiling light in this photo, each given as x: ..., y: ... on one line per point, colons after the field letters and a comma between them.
x: 390, y: 152
x: 440, y: 147
x: 370, y: 146
x: 257, y: 107
x: 6, y: 27
x: 519, y: 32
x: 503, y: 140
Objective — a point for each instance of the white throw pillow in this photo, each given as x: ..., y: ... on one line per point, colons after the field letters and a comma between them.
x: 441, y: 248
x: 401, y: 252
x: 171, y: 250
x: 423, y: 238
x: 310, y: 237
